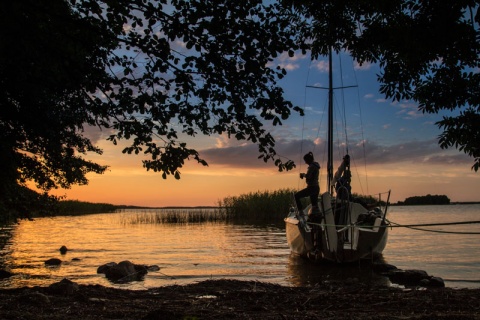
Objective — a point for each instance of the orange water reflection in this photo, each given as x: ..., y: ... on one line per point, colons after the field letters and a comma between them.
x: 189, y: 253
x: 185, y: 253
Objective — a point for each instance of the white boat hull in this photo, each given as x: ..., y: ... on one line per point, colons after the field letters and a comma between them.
x: 323, y: 240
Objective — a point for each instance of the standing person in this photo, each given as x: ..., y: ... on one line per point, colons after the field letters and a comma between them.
x: 313, y: 188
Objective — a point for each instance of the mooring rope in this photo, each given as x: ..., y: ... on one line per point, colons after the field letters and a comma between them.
x: 392, y: 224
x: 415, y: 227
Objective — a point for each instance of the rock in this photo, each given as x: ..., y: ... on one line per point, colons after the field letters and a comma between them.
x: 433, y: 282
x: 153, y: 268
x: 106, y: 266
x: 64, y: 287
x: 76, y: 259
x: 4, y: 274
x: 407, y: 277
x: 123, y: 271
x: 63, y: 249
x: 383, y: 267
x: 53, y: 262
x: 414, y: 278
x: 141, y: 269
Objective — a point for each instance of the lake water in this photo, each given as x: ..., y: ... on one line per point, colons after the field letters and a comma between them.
x: 194, y: 252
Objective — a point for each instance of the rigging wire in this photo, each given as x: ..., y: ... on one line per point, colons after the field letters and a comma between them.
x: 363, y: 136
x: 303, y: 122
x: 325, y: 106
x: 342, y: 86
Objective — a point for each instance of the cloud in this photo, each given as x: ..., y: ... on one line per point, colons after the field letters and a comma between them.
x: 289, y: 63
x: 95, y: 134
x: 321, y: 65
x: 246, y: 155
x: 371, y: 95
x: 408, y: 111
x: 286, y: 57
x: 424, y: 152
x: 363, y: 67
x: 289, y: 66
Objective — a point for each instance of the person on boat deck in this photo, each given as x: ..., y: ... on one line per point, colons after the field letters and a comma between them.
x: 313, y: 188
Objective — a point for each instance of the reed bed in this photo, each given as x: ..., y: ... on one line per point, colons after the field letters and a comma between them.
x: 267, y: 207
x: 178, y: 216
x: 254, y: 207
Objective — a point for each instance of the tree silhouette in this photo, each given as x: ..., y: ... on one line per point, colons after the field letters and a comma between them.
x: 147, y: 72
x: 153, y: 73
x: 428, y: 52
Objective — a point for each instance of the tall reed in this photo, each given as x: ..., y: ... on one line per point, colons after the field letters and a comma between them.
x: 182, y: 216
x: 264, y: 207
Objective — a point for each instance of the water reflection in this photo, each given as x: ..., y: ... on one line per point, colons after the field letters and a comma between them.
x: 188, y: 253
x: 185, y: 253
x: 304, y: 273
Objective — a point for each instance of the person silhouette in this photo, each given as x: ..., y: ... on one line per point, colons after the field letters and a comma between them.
x: 313, y: 188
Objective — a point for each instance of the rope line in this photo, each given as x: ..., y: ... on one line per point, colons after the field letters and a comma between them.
x: 410, y: 226
x: 440, y: 231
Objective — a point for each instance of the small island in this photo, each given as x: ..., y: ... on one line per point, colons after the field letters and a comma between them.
x: 425, y: 200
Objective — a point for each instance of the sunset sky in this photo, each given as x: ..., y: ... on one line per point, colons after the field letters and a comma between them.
x: 401, y: 150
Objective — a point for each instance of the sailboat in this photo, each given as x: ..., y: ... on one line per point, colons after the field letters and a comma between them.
x: 344, y: 230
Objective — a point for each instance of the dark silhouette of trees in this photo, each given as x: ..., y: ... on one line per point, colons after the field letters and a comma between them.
x: 152, y: 73
x: 428, y: 52
x: 148, y: 72
x: 426, y: 200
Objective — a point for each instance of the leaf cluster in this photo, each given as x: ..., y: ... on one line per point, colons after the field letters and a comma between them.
x: 184, y: 68
x: 45, y: 74
x: 149, y: 73
x: 428, y: 52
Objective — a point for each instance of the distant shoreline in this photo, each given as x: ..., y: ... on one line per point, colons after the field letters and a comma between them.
x: 167, y: 207
x: 216, y: 207
x: 432, y: 204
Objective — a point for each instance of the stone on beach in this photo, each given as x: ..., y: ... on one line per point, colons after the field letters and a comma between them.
x: 123, y: 271
x: 53, y: 262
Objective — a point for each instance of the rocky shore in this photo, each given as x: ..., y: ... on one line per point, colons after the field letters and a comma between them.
x: 231, y: 299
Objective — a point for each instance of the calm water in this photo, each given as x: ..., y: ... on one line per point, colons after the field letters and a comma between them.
x: 191, y: 253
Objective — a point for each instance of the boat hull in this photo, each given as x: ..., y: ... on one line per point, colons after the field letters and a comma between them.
x: 298, y: 238
x: 323, y: 240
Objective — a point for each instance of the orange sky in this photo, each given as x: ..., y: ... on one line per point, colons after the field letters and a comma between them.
x: 126, y: 182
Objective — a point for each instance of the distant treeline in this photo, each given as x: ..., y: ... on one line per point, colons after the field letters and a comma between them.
x: 425, y: 200
x: 75, y: 207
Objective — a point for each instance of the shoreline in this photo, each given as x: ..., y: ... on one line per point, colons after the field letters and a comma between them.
x: 234, y: 299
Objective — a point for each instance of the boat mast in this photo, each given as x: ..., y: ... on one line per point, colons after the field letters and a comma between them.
x: 330, y: 125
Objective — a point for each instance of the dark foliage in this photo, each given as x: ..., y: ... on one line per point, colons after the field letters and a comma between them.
x: 155, y: 73
x: 428, y: 52
x: 120, y: 66
x: 426, y: 200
